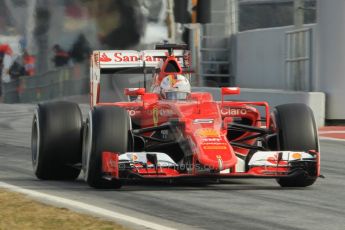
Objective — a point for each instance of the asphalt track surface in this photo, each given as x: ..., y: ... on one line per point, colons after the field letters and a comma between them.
x: 235, y: 204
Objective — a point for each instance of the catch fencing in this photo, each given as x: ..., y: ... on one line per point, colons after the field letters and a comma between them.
x: 54, y: 84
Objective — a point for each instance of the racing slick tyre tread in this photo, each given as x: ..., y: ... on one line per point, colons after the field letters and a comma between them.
x: 296, y: 132
x: 107, y: 131
x: 56, y: 140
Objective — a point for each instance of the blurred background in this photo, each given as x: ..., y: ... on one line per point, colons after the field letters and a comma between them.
x: 79, y: 26
x: 259, y: 45
x: 38, y: 26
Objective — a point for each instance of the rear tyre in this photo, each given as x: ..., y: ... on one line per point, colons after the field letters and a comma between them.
x: 296, y: 132
x: 105, y: 130
x: 56, y: 141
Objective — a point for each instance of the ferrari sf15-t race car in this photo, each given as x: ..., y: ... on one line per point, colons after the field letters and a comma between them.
x: 171, y: 137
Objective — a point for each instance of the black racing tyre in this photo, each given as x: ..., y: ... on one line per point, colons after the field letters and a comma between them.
x: 296, y: 131
x: 56, y: 141
x: 106, y: 129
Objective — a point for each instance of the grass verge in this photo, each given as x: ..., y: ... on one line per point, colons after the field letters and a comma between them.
x: 20, y: 212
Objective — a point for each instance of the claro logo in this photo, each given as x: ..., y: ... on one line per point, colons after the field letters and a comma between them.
x: 227, y: 111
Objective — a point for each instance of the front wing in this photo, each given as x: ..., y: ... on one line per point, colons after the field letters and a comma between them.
x: 145, y: 165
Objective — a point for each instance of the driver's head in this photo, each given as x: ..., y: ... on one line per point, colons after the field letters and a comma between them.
x: 175, y: 87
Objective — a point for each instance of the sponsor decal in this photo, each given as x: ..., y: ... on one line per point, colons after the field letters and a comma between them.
x: 211, y: 140
x: 164, y: 134
x: 214, y: 147
x: 160, y: 112
x: 274, y: 160
x: 109, y: 162
x: 207, y: 132
x: 119, y: 57
x: 112, y: 163
x: 203, y: 121
x: 227, y: 111
x: 297, y: 156
x: 155, y: 115
x: 104, y: 58
x: 213, y: 143
x: 151, y: 59
x: 166, y: 112
x: 131, y: 112
x: 134, y: 157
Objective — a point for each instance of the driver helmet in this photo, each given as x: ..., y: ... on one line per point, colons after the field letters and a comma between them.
x: 175, y: 87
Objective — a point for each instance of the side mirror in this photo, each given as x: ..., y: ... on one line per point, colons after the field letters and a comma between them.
x: 134, y: 91
x: 230, y: 90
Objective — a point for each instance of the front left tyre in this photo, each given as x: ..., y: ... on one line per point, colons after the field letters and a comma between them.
x: 56, y: 141
x: 106, y: 129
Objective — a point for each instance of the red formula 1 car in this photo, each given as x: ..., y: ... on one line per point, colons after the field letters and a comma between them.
x: 150, y: 137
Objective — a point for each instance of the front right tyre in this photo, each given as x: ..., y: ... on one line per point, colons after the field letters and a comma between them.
x: 56, y: 141
x: 296, y: 131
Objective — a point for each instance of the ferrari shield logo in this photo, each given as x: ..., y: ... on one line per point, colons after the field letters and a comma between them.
x: 155, y: 115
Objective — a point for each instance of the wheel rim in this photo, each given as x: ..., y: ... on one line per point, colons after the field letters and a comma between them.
x: 35, y: 143
x: 87, y: 146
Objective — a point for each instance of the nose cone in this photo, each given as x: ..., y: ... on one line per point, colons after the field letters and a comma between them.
x: 217, y: 157
x: 216, y: 153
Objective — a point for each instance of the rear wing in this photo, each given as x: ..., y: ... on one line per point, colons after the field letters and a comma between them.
x: 112, y: 61
x: 119, y: 59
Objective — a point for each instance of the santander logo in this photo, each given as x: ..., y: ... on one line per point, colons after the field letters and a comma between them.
x: 119, y: 57
x: 274, y: 160
x: 132, y: 57
x: 104, y: 58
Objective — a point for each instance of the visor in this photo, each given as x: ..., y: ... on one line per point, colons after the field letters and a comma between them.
x: 176, y: 95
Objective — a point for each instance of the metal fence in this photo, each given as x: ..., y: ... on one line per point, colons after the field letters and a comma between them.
x: 298, y: 61
x: 51, y: 85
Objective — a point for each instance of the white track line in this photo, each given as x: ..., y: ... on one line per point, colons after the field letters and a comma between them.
x: 86, y: 207
x: 331, y: 139
x: 335, y: 131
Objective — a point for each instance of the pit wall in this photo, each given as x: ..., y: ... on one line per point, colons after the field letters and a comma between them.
x: 260, y: 58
